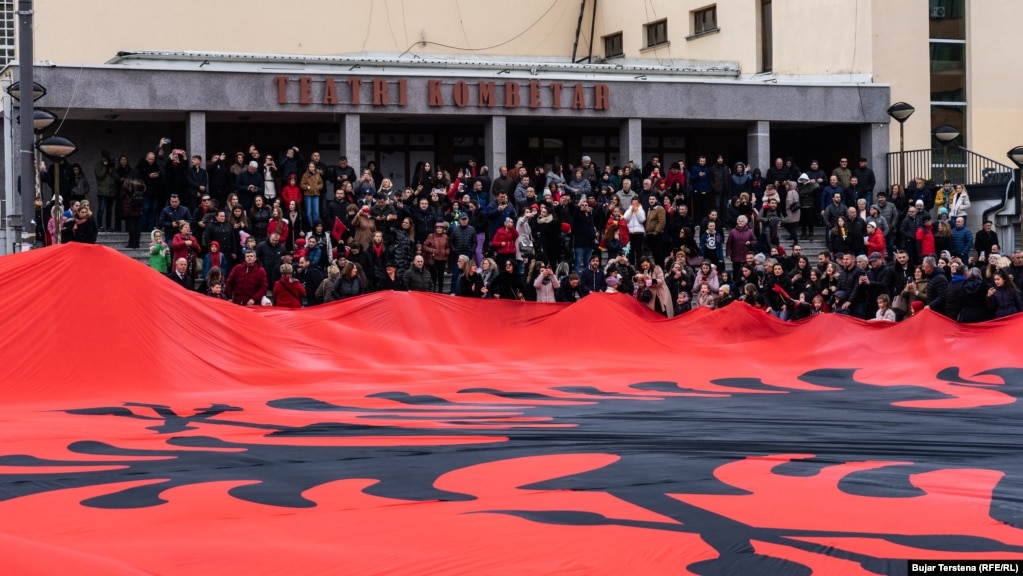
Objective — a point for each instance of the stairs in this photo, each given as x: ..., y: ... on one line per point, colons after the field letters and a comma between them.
x: 119, y: 241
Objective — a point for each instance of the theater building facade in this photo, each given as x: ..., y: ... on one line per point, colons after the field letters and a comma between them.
x: 398, y: 113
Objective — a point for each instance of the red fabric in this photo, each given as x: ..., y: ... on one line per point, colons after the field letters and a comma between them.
x: 876, y: 243
x: 925, y: 237
x: 246, y: 283
x: 142, y: 447
x: 288, y: 293
x: 504, y: 240
x: 282, y: 229
x: 290, y: 192
x: 180, y: 250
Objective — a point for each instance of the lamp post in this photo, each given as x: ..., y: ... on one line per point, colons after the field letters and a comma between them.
x: 56, y: 148
x: 900, y: 112
x: 41, y: 120
x: 945, y: 134
x: 18, y: 202
x: 1016, y: 155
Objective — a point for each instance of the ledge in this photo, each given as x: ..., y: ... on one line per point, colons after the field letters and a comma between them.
x: 704, y: 33
x: 656, y: 47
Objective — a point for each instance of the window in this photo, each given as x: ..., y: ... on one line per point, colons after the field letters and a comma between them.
x: 947, y: 19
x: 766, y: 37
x: 8, y: 19
x: 656, y: 33
x: 705, y: 20
x: 948, y: 53
x: 613, y: 45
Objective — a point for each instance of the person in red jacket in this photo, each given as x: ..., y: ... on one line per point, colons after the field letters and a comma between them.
x: 925, y: 237
x: 875, y: 240
x: 291, y: 191
x: 504, y: 241
x: 246, y: 285
x: 186, y: 246
x: 288, y: 292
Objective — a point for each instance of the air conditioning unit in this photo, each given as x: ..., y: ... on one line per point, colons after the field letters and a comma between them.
x: 937, y: 12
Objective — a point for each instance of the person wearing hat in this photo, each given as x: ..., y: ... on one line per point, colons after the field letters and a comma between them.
x: 391, y: 280
x: 363, y: 227
x: 808, y: 191
x: 875, y: 240
x: 612, y: 284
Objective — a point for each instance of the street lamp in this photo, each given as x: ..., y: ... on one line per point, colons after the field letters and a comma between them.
x: 900, y: 112
x: 945, y: 134
x: 1016, y: 155
x: 42, y: 119
x: 56, y: 148
x: 38, y: 91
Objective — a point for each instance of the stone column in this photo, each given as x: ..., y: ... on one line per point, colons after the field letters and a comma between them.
x: 495, y: 143
x: 351, y: 140
x: 758, y: 145
x: 874, y: 147
x: 195, y: 132
x: 630, y: 141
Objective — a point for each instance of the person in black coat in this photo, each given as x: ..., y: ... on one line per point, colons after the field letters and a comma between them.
x: 966, y: 298
x: 225, y: 235
x: 82, y: 228
x: 1003, y: 298
x: 180, y: 275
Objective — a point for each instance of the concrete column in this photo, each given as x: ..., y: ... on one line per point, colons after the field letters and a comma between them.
x: 351, y: 140
x: 630, y: 141
x: 758, y: 145
x: 195, y: 132
x: 874, y: 147
x: 495, y: 143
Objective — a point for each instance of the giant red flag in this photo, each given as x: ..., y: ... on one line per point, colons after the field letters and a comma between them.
x: 149, y: 430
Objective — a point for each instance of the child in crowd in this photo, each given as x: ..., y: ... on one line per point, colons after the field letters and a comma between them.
x: 159, y: 253
x: 214, y: 258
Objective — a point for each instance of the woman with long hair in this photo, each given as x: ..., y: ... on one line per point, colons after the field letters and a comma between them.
x: 1004, y: 298
x: 470, y: 283
x: 259, y: 218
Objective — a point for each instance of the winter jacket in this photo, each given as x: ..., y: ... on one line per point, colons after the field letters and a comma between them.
x: 1005, y: 303
x: 418, y: 280
x: 288, y: 293
x: 246, y: 283
x: 311, y: 184
x: 463, y: 240
x: 504, y: 241
x: 736, y: 246
x: 436, y: 249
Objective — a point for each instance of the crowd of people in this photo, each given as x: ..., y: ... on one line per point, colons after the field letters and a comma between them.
x: 293, y: 232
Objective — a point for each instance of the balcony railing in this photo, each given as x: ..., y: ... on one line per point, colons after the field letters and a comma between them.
x: 957, y: 164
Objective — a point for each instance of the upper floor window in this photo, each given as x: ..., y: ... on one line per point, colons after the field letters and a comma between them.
x: 705, y: 20
x: 656, y: 33
x: 613, y: 45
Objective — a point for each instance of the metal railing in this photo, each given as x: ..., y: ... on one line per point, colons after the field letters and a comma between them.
x: 957, y: 164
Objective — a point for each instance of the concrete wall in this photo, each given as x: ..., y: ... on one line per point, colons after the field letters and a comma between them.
x: 816, y: 37
x: 994, y: 78
x: 80, y: 32
x: 908, y: 73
